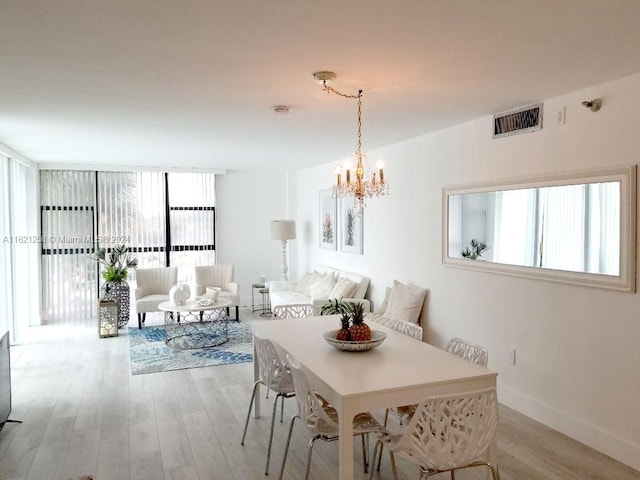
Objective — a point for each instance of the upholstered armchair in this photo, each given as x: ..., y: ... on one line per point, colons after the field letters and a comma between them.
x: 153, y: 288
x: 220, y: 276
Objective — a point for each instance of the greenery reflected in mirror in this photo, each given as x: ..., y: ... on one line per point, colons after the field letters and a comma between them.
x: 575, y: 228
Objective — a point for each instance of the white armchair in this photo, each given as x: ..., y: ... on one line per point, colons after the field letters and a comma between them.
x: 153, y: 288
x: 220, y: 276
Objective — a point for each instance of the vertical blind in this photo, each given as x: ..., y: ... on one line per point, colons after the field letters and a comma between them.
x: 192, y: 222
x: 164, y: 218
x: 131, y: 211
x: 69, y: 276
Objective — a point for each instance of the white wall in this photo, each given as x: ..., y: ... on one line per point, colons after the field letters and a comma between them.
x: 245, y: 202
x: 578, y: 348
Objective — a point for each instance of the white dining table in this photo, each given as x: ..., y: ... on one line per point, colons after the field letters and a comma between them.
x: 400, y: 371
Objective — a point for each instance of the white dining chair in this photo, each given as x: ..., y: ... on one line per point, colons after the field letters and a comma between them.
x: 445, y: 434
x: 322, y: 419
x: 297, y: 310
x: 469, y: 351
x: 276, y: 376
x: 460, y: 348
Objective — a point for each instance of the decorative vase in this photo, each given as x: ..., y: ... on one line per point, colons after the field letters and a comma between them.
x: 121, y: 294
x: 179, y: 294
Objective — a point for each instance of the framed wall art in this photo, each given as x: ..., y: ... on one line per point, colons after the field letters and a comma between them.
x: 327, y: 220
x: 351, y: 226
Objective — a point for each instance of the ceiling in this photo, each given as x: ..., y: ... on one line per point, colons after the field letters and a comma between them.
x: 191, y: 83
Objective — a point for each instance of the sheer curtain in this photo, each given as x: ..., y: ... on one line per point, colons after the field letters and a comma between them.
x: 563, y: 229
x: 517, y: 209
x: 19, y: 275
x: 455, y: 225
x: 604, y: 228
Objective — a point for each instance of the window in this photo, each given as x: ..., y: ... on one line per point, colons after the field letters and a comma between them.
x: 164, y: 218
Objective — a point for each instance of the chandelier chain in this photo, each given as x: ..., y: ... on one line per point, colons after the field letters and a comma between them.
x: 359, y: 187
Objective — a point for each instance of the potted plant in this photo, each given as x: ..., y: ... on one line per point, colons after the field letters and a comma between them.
x: 117, y: 264
x: 474, y: 250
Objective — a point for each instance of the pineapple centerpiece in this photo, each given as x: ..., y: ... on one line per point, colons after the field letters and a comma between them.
x: 355, y: 338
x: 350, y: 312
x: 336, y: 306
x: 359, y: 331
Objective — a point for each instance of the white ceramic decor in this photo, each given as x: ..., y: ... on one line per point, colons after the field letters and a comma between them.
x: 212, y: 293
x: 179, y: 294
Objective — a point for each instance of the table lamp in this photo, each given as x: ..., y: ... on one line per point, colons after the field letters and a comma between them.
x: 283, y: 230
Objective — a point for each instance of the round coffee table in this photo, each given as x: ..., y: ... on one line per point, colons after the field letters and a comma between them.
x: 200, y: 323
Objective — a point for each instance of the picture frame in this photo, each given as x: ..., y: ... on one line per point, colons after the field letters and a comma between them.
x: 351, y: 231
x: 327, y: 220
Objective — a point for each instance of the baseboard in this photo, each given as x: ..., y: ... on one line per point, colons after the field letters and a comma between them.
x: 606, y: 442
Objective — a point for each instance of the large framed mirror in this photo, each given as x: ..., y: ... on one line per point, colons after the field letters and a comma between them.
x: 577, y: 227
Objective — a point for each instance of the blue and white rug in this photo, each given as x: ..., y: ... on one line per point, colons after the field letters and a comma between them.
x: 148, y: 353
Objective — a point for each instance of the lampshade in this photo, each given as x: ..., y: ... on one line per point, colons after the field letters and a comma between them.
x: 283, y: 229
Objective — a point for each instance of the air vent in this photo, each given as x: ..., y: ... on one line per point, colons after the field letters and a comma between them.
x: 519, y: 120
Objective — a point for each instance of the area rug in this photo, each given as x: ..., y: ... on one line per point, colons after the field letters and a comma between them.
x: 148, y: 353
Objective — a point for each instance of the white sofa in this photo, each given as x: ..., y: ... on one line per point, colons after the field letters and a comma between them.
x: 284, y: 292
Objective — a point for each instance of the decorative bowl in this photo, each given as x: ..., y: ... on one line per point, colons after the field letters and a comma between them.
x: 204, y: 301
x: 377, y: 337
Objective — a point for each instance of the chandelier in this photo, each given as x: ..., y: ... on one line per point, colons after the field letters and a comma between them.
x: 359, y: 182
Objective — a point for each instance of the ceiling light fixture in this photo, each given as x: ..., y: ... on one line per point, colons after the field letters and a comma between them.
x: 358, y: 183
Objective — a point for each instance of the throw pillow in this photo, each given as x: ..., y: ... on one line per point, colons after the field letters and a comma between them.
x: 314, y: 278
x: 303, y: 283
x: 405, y: 302
x: 385, y: 302
x: 322, y: 288
x: 343, y: 288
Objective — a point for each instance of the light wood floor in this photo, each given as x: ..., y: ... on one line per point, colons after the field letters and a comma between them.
x: 84, y: 414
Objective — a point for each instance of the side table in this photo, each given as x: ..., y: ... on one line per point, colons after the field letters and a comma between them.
x: 266, y: 304
x: 265, y: 308
x: 256, y: 286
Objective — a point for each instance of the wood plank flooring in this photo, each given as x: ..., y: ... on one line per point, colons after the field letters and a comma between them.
x: 85, y: 414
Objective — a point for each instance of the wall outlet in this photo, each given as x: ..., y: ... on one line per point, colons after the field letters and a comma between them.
x: 561, y: 116
x: 512, y: 356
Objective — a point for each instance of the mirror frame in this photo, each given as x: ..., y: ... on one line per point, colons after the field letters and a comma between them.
x: 626, y: 175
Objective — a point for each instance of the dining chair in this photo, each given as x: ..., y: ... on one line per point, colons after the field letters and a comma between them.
x: 276, y: 376
x: 322, y: 419
x: 460, y: 348
x: 467, y: 350
x: 445, y: 434
x: 298, y: 310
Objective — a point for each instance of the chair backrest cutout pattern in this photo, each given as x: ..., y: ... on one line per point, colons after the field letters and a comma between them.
x: 469, y: 351
x: 450, y: 431
x: 292, y: 311
x: 310, y: 406
x: 273, y: 372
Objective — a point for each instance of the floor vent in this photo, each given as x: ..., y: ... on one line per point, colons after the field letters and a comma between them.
x: 519, y: 120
